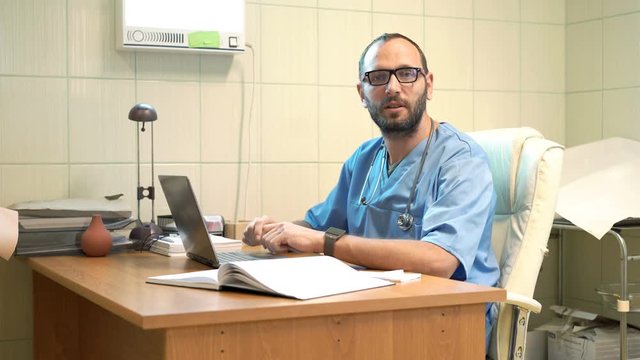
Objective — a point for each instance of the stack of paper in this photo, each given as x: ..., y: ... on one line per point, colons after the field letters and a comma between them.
x: 395, y: 276
x: 168, y: 246
x: 172, y: 245
x: 221, y: 243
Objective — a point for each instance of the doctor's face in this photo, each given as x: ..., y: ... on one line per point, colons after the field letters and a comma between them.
x: 398, y: 106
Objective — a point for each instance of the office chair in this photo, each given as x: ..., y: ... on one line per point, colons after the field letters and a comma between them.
x: 526, y: 176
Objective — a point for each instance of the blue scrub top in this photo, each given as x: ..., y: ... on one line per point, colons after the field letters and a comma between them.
x: 453, y: 206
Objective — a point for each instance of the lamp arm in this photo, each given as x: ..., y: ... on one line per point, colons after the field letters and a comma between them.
x: 138, y: 166
x: 152, y: 192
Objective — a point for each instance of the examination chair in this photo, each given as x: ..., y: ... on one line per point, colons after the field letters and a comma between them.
x: 526, y: 176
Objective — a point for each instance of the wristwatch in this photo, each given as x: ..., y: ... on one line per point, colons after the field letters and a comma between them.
x: 330, y: 237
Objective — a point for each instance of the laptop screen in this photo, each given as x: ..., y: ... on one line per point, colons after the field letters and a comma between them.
x: 188, y: 218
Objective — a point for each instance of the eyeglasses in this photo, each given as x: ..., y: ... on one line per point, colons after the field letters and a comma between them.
x: 382, y: 77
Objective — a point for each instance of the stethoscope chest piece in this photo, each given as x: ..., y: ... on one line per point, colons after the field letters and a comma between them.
x: 405, y: 221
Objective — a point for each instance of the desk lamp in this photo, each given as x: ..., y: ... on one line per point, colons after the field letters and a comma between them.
x: 144, y: 231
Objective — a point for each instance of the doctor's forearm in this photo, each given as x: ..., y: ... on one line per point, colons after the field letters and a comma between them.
x: 410, y: 255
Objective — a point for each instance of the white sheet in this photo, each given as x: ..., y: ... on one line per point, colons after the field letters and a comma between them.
x: 599, y: 185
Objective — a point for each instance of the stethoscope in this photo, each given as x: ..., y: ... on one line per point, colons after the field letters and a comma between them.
x: 405, y: 220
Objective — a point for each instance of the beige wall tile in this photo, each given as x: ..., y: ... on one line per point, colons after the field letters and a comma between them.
x: 101, y: 180
x: 542, y: 11
x: 543, y: 61
x: 230, y: 123
x: 411, y: 7
x: 453, y: 106
x: 581, y: 10
x: 167, y: 66
x: 545, y: 113
x: 496, y: 56
x: 33, y: 38
x: 99, y: 128
x: 177, y: 130
x: 220, y: 190
x: 226, y: 68
x: 92, y: 44
x: 343, y: 35
x: 236, y: 196
x: 328, y: 175
x: 584, y: 56
x: 622, y: 51
x: 487, y: 115
x: 449, y: 52
x: 583, y: 118
x: 192, y: 171
x: 289, y: 123
x: 289, y: 190
x: 497, y: 9
x: 364, y: 5
x: 621, y: 110
x: 452, y: 8
x: 33, y: 120
x: 33, y: 182
x: 15, y: 301
x: 240, y: 67
x: 292, y: 52
x: 93, y: 181
x: 616, y: 7
x: 343, y: 123
x: 408, y: 25
x: 305, y: 3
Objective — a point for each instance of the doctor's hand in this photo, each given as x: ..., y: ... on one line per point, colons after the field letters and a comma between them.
x: 284, y: 236
x: 253, y: 233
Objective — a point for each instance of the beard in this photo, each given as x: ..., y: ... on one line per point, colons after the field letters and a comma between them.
x: 398, y: 126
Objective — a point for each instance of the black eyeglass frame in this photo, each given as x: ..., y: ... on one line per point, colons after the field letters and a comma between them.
x: 418, y: 71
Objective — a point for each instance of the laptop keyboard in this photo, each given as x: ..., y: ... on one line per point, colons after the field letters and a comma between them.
x: 224, y: 257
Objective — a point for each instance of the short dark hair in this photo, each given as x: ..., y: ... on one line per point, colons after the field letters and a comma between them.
x: 384, y: 38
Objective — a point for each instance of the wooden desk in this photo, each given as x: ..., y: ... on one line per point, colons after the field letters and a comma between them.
x: 101, y: 308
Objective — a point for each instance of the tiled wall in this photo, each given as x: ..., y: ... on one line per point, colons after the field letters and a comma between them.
x: 275, y: 148
x: 603, y: 88
x: 603, y: 80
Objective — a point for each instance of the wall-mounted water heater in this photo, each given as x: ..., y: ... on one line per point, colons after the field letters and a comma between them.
x: 204, y: 26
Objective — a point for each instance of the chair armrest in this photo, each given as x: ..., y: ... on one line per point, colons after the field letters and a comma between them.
x: 524, y: 302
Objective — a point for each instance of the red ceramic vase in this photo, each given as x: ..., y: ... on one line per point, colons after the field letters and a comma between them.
x: 96, y: 240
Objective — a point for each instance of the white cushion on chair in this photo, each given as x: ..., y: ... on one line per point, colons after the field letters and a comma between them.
x: 526, y: 175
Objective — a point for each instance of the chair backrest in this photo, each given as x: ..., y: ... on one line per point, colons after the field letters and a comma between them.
x: 526, y: 176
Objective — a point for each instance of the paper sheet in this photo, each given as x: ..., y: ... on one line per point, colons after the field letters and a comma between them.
x: 396, y: 276
x: 599, y: 184
x: 8, y: 232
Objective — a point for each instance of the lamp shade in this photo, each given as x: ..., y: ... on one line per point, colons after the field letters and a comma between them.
x: 143, y: 113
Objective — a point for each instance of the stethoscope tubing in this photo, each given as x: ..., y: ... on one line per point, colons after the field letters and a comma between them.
x: 405, y: 220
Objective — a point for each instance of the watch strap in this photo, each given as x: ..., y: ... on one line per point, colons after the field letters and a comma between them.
x: 331, y: 236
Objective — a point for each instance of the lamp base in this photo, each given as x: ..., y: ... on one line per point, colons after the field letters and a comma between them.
x: 145, y: 232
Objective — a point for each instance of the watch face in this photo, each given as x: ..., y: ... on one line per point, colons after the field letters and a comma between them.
x: 335, y: 232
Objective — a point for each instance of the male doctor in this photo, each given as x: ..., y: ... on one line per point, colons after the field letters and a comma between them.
x: 419, y: 198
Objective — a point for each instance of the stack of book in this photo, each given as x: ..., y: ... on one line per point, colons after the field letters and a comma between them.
x: 172, y: 245
x: 61, y: 235
x: 168, y: 246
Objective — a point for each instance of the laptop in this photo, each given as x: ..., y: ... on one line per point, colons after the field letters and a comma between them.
x: 192, y: 228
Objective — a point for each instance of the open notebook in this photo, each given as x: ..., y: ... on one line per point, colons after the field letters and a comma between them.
x: 301, y: 278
